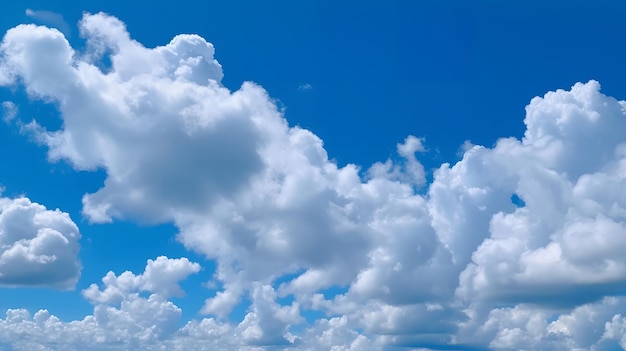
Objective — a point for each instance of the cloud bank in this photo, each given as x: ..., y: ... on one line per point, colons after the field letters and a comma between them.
x: 515, y: 247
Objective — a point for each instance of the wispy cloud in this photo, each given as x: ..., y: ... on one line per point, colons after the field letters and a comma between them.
x: 465, y: 147
x: 9, y: 112
x: 306, y: 86
x: 51, y: 19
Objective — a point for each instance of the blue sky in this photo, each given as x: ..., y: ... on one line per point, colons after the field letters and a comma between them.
x: 327, y: 176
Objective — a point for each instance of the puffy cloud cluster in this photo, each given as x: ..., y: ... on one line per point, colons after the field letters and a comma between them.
x: 565, y: 244
x: 459, y: 262
x: 38, y: 247
x: 161, y: 277
x: 122, y: 318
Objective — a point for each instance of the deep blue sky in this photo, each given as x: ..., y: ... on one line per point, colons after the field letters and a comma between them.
x: 378, y: 70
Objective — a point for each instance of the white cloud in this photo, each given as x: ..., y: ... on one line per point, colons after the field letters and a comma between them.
x: 161, y: 277
x: 463, y: 265
x: 38, y: 247
x: 465, y: 147
x: 305, y: 86
x: 563, y: 246
x: 335, y: 334
x: 121, y: 319
x: 10, y: 111
x: 267, y: 321
x: 616, y: 330
x: 50, y: 18
x: 529, y: 327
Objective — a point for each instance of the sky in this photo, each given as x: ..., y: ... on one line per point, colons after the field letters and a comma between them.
x: 313, y: 175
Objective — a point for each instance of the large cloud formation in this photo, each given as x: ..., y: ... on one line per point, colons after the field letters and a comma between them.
x: 518, y: 246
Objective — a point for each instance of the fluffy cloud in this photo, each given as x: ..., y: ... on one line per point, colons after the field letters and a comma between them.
x: 593, y: 326
x: 564, y: 246
x: 161, y: 277
x: 121, y: 319
x: 459, y: 262
x: 38, y: 247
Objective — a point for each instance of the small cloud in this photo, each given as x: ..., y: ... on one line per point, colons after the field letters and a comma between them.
x: 9, y: 111
x: 467, y: 145
x: 51, y: 19
x: 306, y: 86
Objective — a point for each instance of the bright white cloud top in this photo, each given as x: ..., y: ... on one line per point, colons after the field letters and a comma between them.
x: 453, y: 262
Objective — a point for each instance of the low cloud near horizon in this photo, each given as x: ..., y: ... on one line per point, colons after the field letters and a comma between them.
x: 455, y: 263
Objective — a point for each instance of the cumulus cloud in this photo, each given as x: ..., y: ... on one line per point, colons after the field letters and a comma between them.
x: 564, y: 245
x: 528, y: 327
x: 124, y: 319
x: 38, y: 247
x: 512, y: 247
x: 121, y: 318
x: 161, y: 277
